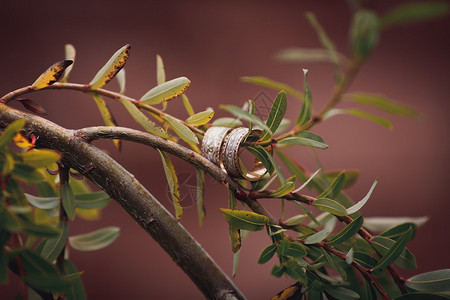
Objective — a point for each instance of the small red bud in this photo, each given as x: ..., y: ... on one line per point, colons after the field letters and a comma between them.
x: 240, y: 194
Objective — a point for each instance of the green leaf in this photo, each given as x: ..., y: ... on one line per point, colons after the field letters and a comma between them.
x: 285, y: 123
x: 94, y: 240
x: 181, y: 130
x: 414, y: 12
x: 285, y: 188
x: 121, y: 80
x: 380, y: 224
x: 201, y: 210
x: 295, y: 220
x: 434, y: 281
x: 27, y: 173
x: 350, y: 177
x: 240, y: 113
x: 347, y: 232
x: 296, y: 250
x: 188, y: 106
x: 245, y: 220
x: 276, y: 115
x: 306, y: 111
x: 323, y: 234
x: 111, y: 68
x: 139, y: 117
x: 172, y: 181
x: 365, y: 260
x: 43, y: 202
x: 40, y: 158
x: 76, y: 289
x: 10, y: 131
x: 335, y: 187
x: 406, y: 259
x: 306, y: 182
x: 301, y: 55
x: 200, y: 118
x: 106, y: 114
x: 160, y: 72
x: 331, y: 206
x: 277, y: 271
x: 362, y: 202
x: 51, y: 75
x: 364, y: 33
x: 383, y: 103
x: 264, y: 157
x: 95, y: 200
x: 339, y: 292
x: 308, y: 213
x: 68, y: 200
x: 53, y: 247
x: 70, y: 53
x: 356, y: 112
x: 227, y: 122
x: 305, y: 138
x: 166, y: 91
x: 324, y: 38
x: 399, y: 230
x: 267, y: 254
x: 394, y: 251
x: 266, y: 82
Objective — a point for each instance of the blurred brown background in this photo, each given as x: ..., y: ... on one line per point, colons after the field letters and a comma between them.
x: 213, y: 44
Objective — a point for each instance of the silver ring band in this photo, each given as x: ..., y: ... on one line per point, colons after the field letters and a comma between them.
x: 229, y: 155
x: 212, y: 143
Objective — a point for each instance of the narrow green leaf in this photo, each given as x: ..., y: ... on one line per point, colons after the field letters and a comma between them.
x: 434, y: 281
x: 285, y: 188
x: 348, y: 231
x: 335, y: 187
x: 181, y: 130
x: 111, y: 68
x: 301, y: 55
x: 240, y: 113
x: 160, y: 72
x: 331, y: 206
x: 43, y: 202
x: 236, y: 258
x: 201, y: 210
x: 51, y: 75
x: 349, y: 256
x: 380, y: 224
x: 10, y: 131
x: 365, y: 260
x: 406, y: 259
x: 266, y: 82
x: 245, y: 219
x: 53, y: 247
x: 296, y: 250
x: 70, y: 53
x: 324, y: 38
x: 276, y: 115
x: 106, y: 114
x: 39, y: 230
x: 227, y: 122
x: 166, y: 91
x: 350, y: 177
x: 304, y: 139
x: 306, y: 111
x: 364, y: 33
x: 27, y: 173
x: 399, y: 230
x: 172, y: 181
x: 295, y: 220
x: 383, y: 103
x: 414, y: 12
x: 394, y: 251
x: 339, y: 292
x: 307, y: 181
x: 94, y: 240
x: 68, y: 200
x: 200, y: 118
x: 362, y: 202
x: 267, y: 254
x: 188, y: 106
x: 76, y: 289
x: 308, y: 213
x: 264, y: 157
x: 284, y: 124
x: 121, y: 80
x: 97, y: 200
x: 356, y: 112
x: 323, y: 234
x: 40, y: 158
x: 139, y: 117
x: 235, y: 233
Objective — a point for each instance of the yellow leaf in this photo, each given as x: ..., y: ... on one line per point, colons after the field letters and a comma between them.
x: 88, y: 214
x: 52, y: 75
x: 21, y: 141
x: 107, y: 116
x: 111, y: 68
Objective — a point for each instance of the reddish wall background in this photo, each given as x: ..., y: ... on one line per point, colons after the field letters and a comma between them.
x: 213, y: 44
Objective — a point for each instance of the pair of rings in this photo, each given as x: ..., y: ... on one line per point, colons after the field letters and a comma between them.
x: 222, y: 145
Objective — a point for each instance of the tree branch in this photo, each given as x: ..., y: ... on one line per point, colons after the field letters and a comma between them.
x: 134, y: 198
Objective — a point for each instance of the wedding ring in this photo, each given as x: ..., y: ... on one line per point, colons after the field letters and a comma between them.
x: 229, y: 155
x: 212, y: 143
